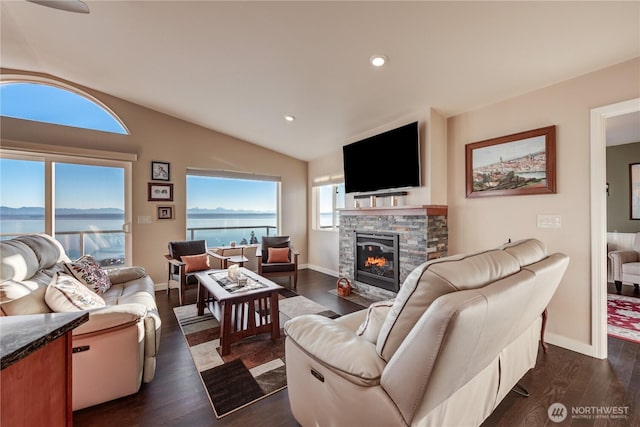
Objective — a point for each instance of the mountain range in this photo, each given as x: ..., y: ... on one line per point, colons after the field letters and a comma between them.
x: 37, y: 211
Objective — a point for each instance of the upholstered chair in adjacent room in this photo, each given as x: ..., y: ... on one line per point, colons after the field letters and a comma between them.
x: 276, y: 257
x: 625, y: 266
x: 186, y: 258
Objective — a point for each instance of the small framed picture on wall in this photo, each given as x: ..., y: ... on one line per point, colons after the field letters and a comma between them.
x: 160, y: 192
x: 160, y: 171
x: 165, y: 212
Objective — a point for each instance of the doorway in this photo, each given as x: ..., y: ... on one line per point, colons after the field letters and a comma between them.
x: 599, y: 221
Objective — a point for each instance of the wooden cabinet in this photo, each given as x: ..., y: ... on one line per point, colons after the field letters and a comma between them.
x: 36, y: 370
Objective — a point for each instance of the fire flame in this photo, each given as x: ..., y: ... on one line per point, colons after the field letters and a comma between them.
x: 377, y: 261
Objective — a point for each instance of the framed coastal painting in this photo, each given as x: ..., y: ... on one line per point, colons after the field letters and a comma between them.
x: 634, y: 190
x: 159, y: 192
x: 519, y: 164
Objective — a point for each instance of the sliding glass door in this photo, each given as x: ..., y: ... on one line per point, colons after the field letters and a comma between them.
x: 83, y: 203
x: 89, y: 211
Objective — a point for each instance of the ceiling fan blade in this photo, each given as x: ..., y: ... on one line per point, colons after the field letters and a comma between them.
x: 76, y: 6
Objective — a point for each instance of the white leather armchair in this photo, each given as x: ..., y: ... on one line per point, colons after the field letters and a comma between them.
x: 460, y: 334
x: 625, y: 266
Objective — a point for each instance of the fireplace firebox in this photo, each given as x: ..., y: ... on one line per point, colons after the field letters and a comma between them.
x: 376, y: 260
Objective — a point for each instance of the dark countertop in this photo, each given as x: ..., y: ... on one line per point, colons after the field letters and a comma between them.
x: 22, y: 335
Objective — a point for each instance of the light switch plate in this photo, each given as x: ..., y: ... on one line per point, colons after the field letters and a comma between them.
x: 144, y: 219
x: 549, y: 221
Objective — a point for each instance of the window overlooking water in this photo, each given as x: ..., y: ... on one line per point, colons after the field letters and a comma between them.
x: 21, y: 197
x: 80, y: 201
x: 89, y: 199
x: 51, y: 104
x: 89, y: 213
x: 328, y: 199
x: 224, y: 209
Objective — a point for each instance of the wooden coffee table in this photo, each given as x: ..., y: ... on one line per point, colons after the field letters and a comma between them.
x: 241, y: 313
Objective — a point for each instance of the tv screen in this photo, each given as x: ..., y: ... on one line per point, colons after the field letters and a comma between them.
x: 385, y: 161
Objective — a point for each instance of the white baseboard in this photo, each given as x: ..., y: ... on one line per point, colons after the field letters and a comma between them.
x: 323, y: 270
x: 570, y: 344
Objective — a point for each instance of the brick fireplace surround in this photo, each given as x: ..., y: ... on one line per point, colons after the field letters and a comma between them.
x: 422, y: 232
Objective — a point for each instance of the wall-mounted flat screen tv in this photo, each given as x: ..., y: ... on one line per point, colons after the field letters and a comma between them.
x: 386, y: 161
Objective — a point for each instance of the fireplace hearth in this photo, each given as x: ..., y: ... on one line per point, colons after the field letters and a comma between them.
x: 377, y: 260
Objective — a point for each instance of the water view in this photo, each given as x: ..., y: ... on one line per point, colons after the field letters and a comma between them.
x: 221, y: 229
x: 219, y: 209
x: 101, y: 235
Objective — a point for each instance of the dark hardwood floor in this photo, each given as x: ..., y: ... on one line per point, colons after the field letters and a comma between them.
x: 176, y: 396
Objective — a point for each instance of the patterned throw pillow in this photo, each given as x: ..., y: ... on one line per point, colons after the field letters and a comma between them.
x: 376, y: 314
x: 195, y: 262
x: 89, y: 272
x: 65, y: 294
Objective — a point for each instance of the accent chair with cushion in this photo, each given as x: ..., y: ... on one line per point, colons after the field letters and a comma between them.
x: 115, y: 351
x: 460, y: 334
x: 625, y: 266
x: 186, y: 258
x: 276, y: 257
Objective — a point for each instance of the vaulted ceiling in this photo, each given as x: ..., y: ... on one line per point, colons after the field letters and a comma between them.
x: 239, y: 67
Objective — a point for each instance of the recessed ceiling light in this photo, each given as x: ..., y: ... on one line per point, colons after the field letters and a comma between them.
x: 378, y: 60
x: 289, y: 117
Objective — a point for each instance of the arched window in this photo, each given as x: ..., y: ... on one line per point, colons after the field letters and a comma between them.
x: 49, y: 103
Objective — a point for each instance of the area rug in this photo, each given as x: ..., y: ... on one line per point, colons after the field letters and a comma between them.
x: 623, y: 317
x: 254, y: 369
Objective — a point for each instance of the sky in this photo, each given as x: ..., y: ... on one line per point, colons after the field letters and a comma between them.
x: 77, y: 186
x: 210, y: 193
x: 88, y: 187
x: 491, y: 155
x: 50, y: 104
x: 21, y: 183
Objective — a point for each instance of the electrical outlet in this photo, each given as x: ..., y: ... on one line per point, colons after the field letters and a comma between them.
x: 549, y: 221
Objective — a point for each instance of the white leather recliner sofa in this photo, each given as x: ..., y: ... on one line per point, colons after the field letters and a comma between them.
x: 118, y: 343
x: 459, y: 335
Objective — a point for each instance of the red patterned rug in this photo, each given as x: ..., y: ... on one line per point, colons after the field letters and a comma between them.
x: 623, y: 317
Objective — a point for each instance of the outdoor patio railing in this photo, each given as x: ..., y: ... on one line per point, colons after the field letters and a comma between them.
x: 107, y: 246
